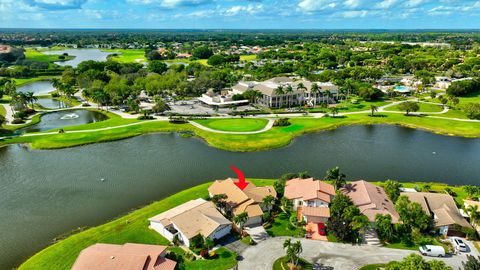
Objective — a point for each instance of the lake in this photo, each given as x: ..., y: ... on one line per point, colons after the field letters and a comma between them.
x: 81, y: 55
x: 45, y: 193
x: 65, y: 118
x: 50, y: 103
x: 38, y: 88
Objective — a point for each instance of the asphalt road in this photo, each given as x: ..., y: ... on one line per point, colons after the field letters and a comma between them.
x: 329, y: 256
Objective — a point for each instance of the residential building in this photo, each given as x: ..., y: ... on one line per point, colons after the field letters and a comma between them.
x: 125, y: 257
x: 191, y: 219
x: 248, y: 200
x: 285, y: 91
x: 371, y: 200
x: 443, y: 209
x: 222, y: 99
x: 5, y: 48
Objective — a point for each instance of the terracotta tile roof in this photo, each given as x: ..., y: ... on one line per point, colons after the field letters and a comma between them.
x: 370, y: 199
x: 308, y: 189
x: 193, y: 218
x: 125, y: 257
x: 441, y: 206
x: 235, y: 196
x: 316, y: 211
x: 240, y: 201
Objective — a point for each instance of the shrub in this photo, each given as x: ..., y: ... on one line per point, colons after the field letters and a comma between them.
x: 86, y: 104
x: 17, y: 121
x: 21, y: 115
x: 145, y: 117
x: 282, y: 122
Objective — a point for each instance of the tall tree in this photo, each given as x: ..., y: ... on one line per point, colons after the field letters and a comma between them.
x: 338, y: 179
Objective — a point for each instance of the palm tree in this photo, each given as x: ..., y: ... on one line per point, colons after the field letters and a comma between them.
x: 267, y: 202
x: 293, y: 250
x: 279, y: 92
x: 241, y: 219
x: 31, y: 98
x: 334, y: 111
x: 328, y: 94
x: 18, y: 101
x: 349, y: 86
x: 56, y: 83
x: 301, y: 87
x: 373, y: 109
x: 10, y: 88
x: 314, y: 92
x: 338, y: 179
x: 289, y: 91
x: 473, y: 213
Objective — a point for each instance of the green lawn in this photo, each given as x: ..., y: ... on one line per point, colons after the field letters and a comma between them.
x: 2, y: 110
x: 373, y: 266
x: 248, y: 57
x: 23, y: 81
x: 238, y: 125
x: 424, y: 107
x: 281, y: 227
x: 34, y: 55
x: 131, y: 228
x: 361, y: 105
x: 282, y: 264
x: 128, y: 55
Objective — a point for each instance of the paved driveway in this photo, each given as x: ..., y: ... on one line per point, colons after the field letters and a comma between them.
x: 328, y: 256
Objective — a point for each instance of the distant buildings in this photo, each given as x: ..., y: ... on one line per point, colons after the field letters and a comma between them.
x: 5, y: 48
x: 239, y: 201
x: 442, y: 208
x: 371, y: 200
x: 222, y: 99
x: 125, y: 257
x: 285, y: 91
x: 191, y: 219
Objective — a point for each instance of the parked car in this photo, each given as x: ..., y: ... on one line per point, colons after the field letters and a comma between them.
x: 459, y: 244
x: 432, y: 251
x: 322, y: 230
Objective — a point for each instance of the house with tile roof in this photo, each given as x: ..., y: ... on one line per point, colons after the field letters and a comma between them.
x: 125, y: 257
x: 443, y: 209
x: 310, y: 198
x: 248, y: 200
x: 371, y: 200
x: 191, y: 219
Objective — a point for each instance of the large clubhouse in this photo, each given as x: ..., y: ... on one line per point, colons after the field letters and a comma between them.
x: 277, y: 92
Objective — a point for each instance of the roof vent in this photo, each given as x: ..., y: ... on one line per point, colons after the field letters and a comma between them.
x: 112, y: 257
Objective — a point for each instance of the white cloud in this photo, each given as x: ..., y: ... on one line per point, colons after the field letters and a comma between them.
x: 354, y: 13
x: 386, y: 4
x: 171, y: 3
x: 353, y: 3
x: 316, y: 5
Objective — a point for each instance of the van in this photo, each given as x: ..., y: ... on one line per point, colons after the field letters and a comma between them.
x: 432, y: 251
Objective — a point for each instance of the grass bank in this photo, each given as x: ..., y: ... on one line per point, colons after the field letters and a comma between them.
x: 273, y: 138
x: 238, y: 125
x: 131, y: 228
x: 127, y: 55
x: 424, y: 107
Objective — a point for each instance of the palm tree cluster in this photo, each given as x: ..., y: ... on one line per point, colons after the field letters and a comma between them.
x: 338, y: 179
x: 293, y: 250
x: 63, y: 89
x: 20, y: 100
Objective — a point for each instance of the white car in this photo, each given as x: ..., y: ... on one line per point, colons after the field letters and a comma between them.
x: 459, y: 244
x: 432, y: 251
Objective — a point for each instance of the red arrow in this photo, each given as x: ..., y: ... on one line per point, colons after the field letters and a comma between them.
x: 241, y: 184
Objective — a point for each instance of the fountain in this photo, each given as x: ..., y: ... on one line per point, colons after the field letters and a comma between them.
x: 70, y: 116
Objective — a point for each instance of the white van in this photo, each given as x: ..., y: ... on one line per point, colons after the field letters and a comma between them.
x: 432, y: 251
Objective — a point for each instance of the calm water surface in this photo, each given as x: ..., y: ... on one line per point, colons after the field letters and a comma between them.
x: 46, y: 193
x: 38, y: 88
x: 51, y: 103
x: 65, y: 118
x: 81, y: 55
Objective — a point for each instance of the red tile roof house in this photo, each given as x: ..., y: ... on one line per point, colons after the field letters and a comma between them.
x: 125, y: 257
x: 310, y: 198
x: 371, y: 200
x: 248, y: 200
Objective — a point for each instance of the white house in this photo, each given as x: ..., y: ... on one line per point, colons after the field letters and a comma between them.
x: 190, y: 219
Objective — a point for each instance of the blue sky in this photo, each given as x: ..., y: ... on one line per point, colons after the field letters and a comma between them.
x: 241, y: 14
